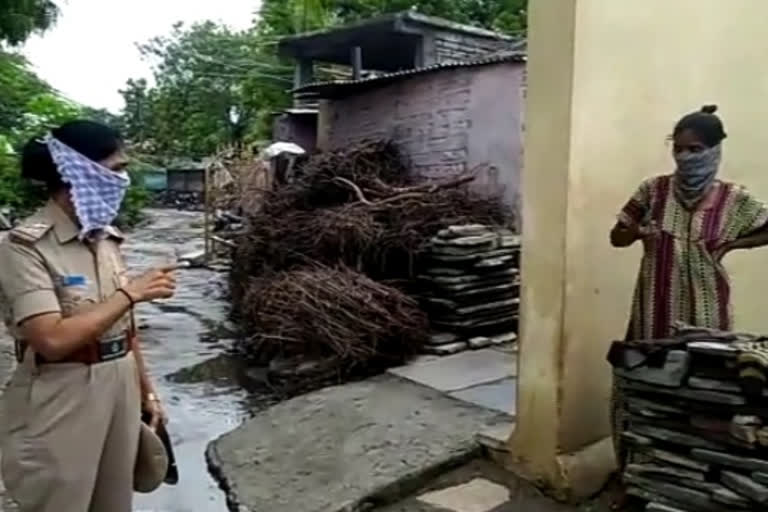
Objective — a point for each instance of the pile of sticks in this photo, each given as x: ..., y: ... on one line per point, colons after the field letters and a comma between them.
x: 360, y: 211
x: 321, y: 313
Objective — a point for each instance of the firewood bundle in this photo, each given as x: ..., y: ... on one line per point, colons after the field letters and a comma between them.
x: 696, y: 415
x: 335, y: 316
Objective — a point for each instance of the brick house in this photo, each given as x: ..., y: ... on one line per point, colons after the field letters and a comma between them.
x: 449, y: 95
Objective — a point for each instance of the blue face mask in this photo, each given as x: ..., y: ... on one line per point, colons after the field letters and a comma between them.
x: 695, y: 173
x: 97, y: 192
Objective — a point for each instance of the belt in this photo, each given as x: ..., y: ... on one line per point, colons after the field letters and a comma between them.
x: 99, y: 352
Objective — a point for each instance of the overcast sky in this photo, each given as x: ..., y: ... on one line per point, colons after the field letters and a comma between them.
x: 91, y: 51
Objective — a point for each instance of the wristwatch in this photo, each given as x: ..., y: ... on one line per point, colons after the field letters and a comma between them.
x: 151, y: 397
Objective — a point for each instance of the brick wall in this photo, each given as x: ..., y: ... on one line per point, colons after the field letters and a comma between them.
x: 444, y: 122
x: 427, y: 116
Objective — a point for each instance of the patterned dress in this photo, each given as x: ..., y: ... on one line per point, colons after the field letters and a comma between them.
x: 679, y: 278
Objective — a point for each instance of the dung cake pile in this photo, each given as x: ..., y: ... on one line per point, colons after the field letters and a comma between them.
x: 695, y: 420
x: 472, y: 282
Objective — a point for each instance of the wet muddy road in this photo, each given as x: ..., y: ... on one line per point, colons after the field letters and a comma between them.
x: 185, y: 341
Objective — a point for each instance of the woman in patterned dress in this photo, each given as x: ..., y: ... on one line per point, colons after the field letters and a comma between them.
x: 687, y: 221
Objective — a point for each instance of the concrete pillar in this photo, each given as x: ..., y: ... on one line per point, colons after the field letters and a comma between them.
x: 606, y: 82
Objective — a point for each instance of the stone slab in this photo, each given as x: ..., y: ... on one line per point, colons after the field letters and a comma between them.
x: 460, y: 371
x: 479, y: 342
x: 498, y: 396
x: 479, y: 495
x: 446, y: 350
x: 643, y: 494
x: 698, y: 499
x: 730, y: 498
x: 731, y: 461
x: 674, y: 437
x: 698, y: 395
x: 664, y: 471
x: 341, y: 448
x: 496, y: 437
x: 442, y: 338
x: 679, y: 460
x: 658, y: 507
x: 671, y: 374
x: 714, y: 385
x: 745, y: 486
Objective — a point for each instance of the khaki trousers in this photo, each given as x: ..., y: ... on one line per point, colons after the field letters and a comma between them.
x: 71, y: 435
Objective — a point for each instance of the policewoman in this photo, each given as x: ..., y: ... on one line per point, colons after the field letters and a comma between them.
x: 71, y: 422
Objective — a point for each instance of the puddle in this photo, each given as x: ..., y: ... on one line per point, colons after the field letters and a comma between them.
x: 187, y: 342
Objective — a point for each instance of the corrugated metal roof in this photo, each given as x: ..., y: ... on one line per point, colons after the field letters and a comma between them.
x: 391, y: 20
x: 344, y: 87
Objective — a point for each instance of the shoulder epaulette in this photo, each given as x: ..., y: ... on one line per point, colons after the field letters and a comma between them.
x: 29, y: 233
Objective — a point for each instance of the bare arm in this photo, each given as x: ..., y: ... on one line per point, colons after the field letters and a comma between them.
x: 757, y: 238
x: 55, y: 337
x: 634, y: 222
x: 749, y: 223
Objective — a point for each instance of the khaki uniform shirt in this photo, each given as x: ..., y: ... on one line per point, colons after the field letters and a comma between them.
x: 46, y: 268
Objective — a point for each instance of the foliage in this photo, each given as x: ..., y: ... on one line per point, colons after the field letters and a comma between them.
x: 215, y: 87
x: 136, y: 198
x: 29, y: 108
x: 503, y: 15
x: 19, y: 18
x: 210, y: 82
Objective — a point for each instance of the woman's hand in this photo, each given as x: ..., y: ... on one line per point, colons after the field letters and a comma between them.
x: 156, y: 411
x: 625, y: 235
x: 155, y: 284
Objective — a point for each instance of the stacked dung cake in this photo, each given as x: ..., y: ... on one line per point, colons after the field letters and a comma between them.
x: 695, y: 411
x: 472, y: 288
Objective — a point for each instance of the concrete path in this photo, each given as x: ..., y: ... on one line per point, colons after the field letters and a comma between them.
x: 480, y: 486
x: 484, y: 377
x: 347, y: 447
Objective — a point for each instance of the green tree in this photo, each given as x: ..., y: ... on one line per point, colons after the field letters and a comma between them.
x: 136, y: 119
x: 216, y: 87
x: 204, y: 94
x: 29, y: 106
x: 290, y: 16
x: 19, y: 18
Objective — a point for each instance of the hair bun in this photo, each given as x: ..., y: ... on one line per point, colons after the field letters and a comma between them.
x: 709, y: 109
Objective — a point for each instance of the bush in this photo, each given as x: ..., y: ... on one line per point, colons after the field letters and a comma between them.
x: 16, y: 193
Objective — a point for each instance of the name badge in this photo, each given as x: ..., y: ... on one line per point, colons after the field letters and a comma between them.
x: 73, y: 280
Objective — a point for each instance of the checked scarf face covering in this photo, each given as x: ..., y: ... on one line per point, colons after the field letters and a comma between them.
x: 96, y: 191
x: 695, y: 173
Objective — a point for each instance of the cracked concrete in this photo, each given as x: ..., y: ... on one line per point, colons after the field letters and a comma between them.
x: 346, y: 448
